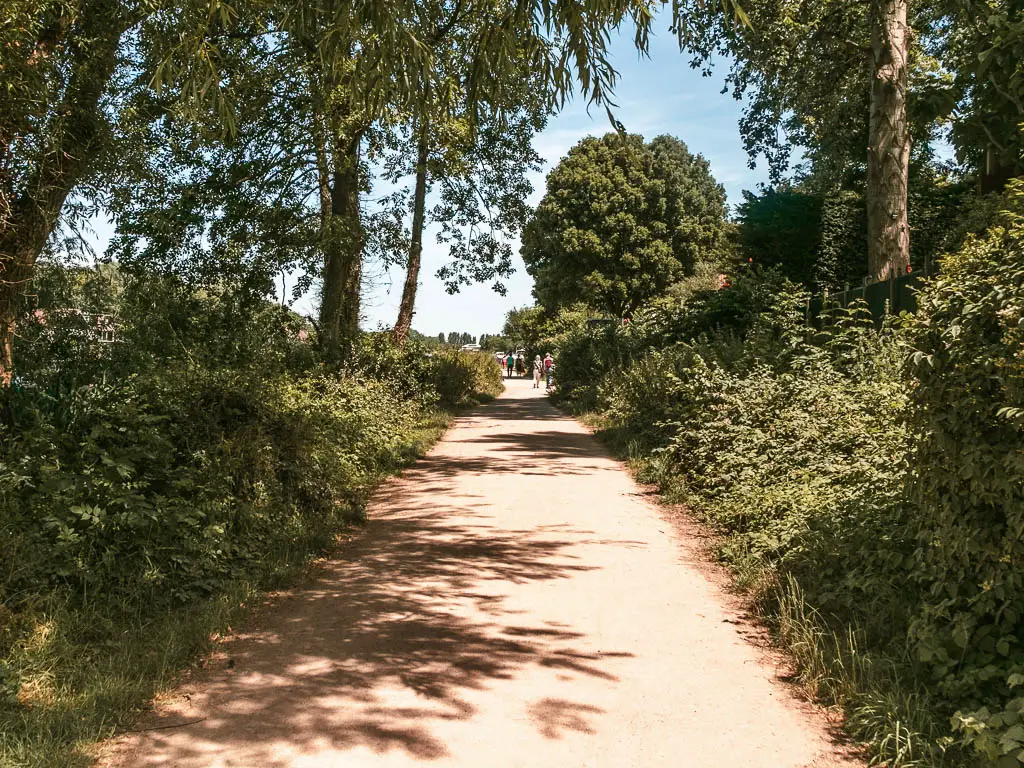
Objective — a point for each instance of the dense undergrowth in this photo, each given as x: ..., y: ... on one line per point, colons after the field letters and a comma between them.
x: 866, y: 484
x: 149, y: 491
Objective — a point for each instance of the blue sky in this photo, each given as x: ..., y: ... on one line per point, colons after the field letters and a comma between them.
x: 657, y: 95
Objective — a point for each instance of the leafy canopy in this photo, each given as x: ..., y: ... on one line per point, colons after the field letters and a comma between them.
x: 621, y: 221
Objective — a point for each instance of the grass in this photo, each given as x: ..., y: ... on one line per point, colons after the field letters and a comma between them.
x: 85, y: 674
x: 886, y: 708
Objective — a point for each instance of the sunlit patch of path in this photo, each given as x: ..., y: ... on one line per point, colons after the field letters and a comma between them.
x: 514, y: 601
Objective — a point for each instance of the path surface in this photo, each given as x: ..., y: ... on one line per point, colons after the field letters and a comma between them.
x: 514, y: 602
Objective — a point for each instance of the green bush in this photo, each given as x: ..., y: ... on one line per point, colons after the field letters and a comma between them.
x: 643, y: 399
x: 967, y: 387
x: 464, y: 378
x: 758, y: 317
x: 584, y: 356
x: 792, y: 443
x: 162, y: 486
x: 803, y: 470
x: 408, y: 368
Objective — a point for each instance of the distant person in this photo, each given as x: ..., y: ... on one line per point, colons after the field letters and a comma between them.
x: 549, y: 366
x: 510, y: 363
x: 538, y: 369
x: 520, y: 366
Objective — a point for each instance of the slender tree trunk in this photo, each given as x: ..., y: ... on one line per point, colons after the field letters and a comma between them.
x: 72, y: 138
x: 16, y: 266
x: 343, y: 247
x: 412, y: 273
x: 888, y: 142
x: 323, y: 168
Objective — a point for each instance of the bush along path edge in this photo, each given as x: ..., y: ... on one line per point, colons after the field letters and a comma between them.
x: 196, y: 493
x: 864, y: 483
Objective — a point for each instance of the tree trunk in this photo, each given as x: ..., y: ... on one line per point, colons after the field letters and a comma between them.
x: 16, y: 266
x: 888, y: 142
x: 343, y: 247
x: 412, y: 273
x: 72, y: 138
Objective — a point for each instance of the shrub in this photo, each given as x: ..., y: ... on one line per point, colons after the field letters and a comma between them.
x: 162, y: 486
x: 967, y: 385
x: 643, y: 397
x: 448, y: 377
x: 408, y: 368
x: 583, y: 357
x: 465, y: 378
x: 757, y: 318
x: 803, y: 470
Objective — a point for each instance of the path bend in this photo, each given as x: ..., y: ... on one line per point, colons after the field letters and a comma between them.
x: 514, y: 602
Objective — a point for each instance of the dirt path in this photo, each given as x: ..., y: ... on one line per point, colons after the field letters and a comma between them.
x: 514, y: 602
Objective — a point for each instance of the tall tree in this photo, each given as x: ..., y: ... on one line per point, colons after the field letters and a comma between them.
x: 782, y: 228
x: 888, y: 140
x: 479, y: 154
x: 56, y: 61
x: 863, y: 87
x: 981, y: 45
x: 60, y: 59
x: 188, y: 203
x: 526, y: 328
x: 620, y: 221
x: 830, y: 76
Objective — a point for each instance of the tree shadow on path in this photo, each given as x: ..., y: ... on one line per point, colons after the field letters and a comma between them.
x: 397, y: 632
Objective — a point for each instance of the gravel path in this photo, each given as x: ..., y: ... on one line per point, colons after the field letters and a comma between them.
x: 515, y: 602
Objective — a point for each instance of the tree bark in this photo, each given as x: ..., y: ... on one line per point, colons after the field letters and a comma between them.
x: 888, y: 142
x: 412, y: 272
x: 73, y: 137
x: 343, y: 247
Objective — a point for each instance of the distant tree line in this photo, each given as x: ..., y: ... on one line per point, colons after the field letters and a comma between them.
x: 456, y: 338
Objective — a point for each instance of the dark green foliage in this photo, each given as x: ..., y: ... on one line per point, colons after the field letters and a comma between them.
x: 133, y: 513
x: 844, y: 241
x: 621, y: 220
x: 819, y: 238
x: 491, y: 342
x: 430, y: 375
x: 752, y: 305
x: 161, y: 487
x: 585, y: 355
x: 968, y: 485
x: 782, y: 228
x: 409, y: 368
x: 802, y: 465
x: 943, y: 208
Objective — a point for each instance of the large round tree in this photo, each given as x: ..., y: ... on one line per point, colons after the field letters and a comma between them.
x: 621, y: 221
